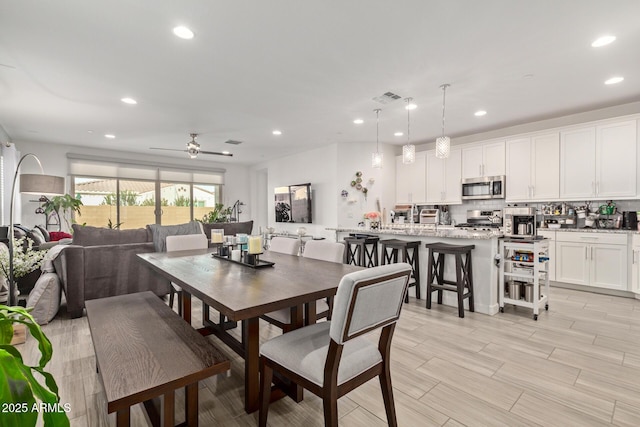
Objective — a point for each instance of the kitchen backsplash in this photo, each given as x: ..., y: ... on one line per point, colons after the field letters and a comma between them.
x: 459, y: 212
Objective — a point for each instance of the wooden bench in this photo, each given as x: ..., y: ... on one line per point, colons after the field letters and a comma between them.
x: 145, y: 351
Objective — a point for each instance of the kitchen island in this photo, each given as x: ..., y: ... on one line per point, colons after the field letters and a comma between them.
x: 485, y: 271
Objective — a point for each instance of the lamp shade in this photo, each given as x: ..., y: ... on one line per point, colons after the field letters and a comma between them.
x: 41, y: 184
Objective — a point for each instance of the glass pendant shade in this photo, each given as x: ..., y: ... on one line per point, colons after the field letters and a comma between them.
x: 376, y: 160
x: 408, y: 154
x: 443, y: 147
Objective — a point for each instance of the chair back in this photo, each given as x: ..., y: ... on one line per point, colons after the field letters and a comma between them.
x: 368, y: 299
x: 285, y: 245
x: 324, y: 250
x: 186, y: 242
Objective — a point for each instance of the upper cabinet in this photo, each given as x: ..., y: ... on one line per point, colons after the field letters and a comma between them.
x: 410, y: 180
x: 599, y: 161
x: 444, y: 178
x: 487, y: 159
x: 533, y: 168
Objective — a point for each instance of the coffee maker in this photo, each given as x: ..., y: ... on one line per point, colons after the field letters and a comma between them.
x: 629, y: 220
x: 520, y: 222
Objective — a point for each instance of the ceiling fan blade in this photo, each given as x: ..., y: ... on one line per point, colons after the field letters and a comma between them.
x: 217, y: 153
x: 167, y: 149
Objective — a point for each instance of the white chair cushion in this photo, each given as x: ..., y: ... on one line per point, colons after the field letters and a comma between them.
x: 284, y: 315
x: 324, y: 250
x: 45, y: 298
x: 304, y: 351
x: 186, y: 242
x: 285, y: 245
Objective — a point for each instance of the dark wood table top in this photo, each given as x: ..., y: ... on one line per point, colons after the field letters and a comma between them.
x: 240, y: 292
x: 144, y: 349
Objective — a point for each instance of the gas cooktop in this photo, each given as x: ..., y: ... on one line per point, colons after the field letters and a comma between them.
x: 477, y: 226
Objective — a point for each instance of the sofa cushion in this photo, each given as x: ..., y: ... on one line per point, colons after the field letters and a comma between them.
x: 37, y: 236
x: 160, y: 232
x: 45, y: 298
x: 230, y: 228
x: 94, y: 236
x: 44, y: 232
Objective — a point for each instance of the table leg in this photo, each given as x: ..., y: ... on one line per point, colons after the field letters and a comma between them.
x: 310, y: 313
x: 186, y: 306
x: 168, y: 404
x: 251, y: 333
x: 122, y: 418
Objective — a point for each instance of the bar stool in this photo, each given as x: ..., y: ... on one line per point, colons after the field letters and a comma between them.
x: 464, y: 273
x: 409, y: 252
x: 361, y: 250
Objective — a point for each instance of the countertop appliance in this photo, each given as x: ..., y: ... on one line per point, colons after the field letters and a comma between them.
x: 405, y: 214
x: 520, y: 222
x: 482, y: 220
x: 429, y: 216
x: 630, y: 220
x: 487, y: 187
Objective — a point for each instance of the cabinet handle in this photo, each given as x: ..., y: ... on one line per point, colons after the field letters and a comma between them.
x: 592, y: 253
x: 482, y: 174
x: 480, y: 169
x: 597, y: 187
x: 585, y: 253
x: 533, y: 191
x: 593, y: 187
x: 633, y: 260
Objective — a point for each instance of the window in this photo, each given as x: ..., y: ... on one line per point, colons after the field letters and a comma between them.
x: 132, y: 196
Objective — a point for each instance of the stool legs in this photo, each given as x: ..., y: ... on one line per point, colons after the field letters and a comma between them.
x: 463, y: 285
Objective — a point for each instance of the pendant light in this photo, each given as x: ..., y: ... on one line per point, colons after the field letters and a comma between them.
x: 443, y: 144
x: 376, y: 158
x: 409, y: 150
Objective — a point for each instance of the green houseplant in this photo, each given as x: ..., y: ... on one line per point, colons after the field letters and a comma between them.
x: 19, y: 383
x: 66, y: 204
x: 218, y: 214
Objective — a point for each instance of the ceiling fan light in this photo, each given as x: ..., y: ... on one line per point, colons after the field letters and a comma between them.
x: 443, y: 147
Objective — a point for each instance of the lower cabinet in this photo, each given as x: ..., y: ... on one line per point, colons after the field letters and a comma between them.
x: 592, y: 259
x: 551, y: 235
x: 635, y: 264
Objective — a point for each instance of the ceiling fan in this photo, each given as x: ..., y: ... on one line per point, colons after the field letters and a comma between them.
x: 193, y: 149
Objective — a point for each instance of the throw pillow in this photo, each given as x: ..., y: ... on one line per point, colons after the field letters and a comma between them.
x: 44, y: 232
x: 160, y: 232
x: 45, y: 298
x: 54, y: 236
x: 37, y: 237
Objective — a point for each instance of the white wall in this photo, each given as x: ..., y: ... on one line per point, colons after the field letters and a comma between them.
x: 54, y: 162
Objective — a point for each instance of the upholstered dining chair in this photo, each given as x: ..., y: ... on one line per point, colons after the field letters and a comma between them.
x: 285, y: 245
x: 184, y: 242
x: 317, y: 249
x: 332, y: 358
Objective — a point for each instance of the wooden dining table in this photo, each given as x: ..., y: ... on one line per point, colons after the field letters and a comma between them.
x: 242, y: 294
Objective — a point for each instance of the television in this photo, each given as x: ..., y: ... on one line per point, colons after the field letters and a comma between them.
x: 293, y: 203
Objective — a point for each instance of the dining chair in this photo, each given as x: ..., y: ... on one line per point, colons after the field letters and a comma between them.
x: 317, y: 249
x: 332, y: 358
x: 185, y: 242
x: 285, y: 245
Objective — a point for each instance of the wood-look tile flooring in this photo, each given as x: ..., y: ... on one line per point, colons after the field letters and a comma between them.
x: 578, y: 365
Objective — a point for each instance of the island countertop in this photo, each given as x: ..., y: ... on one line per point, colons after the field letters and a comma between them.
x: 422, y: 231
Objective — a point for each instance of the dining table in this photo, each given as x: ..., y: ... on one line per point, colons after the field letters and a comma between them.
x: 243, y: 293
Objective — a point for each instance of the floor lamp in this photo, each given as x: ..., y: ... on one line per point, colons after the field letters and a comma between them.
x: 29, y: 184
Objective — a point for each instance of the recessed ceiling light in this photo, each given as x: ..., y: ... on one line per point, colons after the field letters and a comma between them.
x: 398, y: 134
x: 183, y: 32
x: 89, y: 131
x: 411, y: 106
x: 480, y: 113
x: 128, y: 100
x: 225, y: 152
x: 603, y: 41
x: 110, y: 136
x: 358, y: 121
x: 277, y: 132
x: 614, y: 80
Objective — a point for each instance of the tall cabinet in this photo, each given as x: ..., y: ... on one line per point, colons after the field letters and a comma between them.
x: 599, y: 161
x: 444, y: 178
x: 411, y: 180
x: 533, y: 168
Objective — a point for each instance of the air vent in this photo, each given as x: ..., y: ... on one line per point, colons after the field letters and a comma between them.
x: 233, y: 142
x: 387, y: 98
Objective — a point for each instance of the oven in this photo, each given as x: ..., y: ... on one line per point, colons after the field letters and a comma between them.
x: 487, y: 187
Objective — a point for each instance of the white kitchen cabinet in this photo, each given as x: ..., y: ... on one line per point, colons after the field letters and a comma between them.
x: 411, y: 180
x: 444, y: 178
x: 592, y: 259
x: 599, y: 161
x: 635, y: 265
x: 533, y: 168
x: 551, y: 235
x: 483, y: 160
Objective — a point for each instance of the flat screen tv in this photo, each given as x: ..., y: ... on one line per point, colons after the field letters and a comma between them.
x: 293, y: 203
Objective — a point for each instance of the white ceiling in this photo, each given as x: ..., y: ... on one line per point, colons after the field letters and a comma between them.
x: 308, y: 68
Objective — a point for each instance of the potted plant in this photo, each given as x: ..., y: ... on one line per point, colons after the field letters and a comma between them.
x: 218, y: 214
x: 66, y: 203
x: 25, y: 259
x: 22, y: 395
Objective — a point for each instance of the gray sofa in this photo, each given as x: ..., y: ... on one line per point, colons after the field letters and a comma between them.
x: 102, y: 262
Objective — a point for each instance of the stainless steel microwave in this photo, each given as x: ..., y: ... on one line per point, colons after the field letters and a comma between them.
x: 487, y: 187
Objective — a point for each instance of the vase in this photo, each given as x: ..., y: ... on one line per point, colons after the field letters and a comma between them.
x: 374, y: 225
